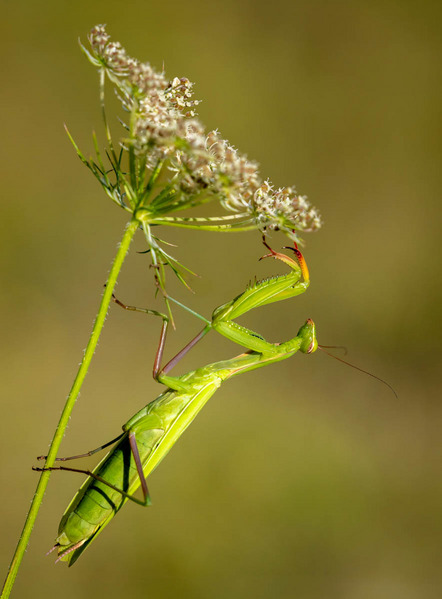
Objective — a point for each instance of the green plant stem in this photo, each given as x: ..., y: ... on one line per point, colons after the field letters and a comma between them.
x: 70, y: 402
x: 216, y: 228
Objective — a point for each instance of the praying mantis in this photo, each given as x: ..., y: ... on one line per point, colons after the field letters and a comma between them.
x: 149, y: 435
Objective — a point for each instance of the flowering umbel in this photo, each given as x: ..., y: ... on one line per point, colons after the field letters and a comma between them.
x: 163, y: 129
x: 166, y: 162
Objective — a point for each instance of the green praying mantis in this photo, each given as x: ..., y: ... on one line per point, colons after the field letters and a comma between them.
x: 150, y: 434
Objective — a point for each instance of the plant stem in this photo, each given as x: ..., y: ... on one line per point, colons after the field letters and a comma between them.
x: 69, y: 405
x: 217, y: 228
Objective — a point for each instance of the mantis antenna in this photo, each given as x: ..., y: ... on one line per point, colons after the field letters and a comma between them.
x: 322, y: 348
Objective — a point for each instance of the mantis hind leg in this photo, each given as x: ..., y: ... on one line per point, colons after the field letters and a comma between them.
x: 95, y: 477
x: 87, y: 454
x: 136, y: 455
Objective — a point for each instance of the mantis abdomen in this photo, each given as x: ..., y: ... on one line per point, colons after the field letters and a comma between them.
x: 156, y: 428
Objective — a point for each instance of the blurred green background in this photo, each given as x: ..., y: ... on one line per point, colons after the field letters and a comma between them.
x: 307, y: 479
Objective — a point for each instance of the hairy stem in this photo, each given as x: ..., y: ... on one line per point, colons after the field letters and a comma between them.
x: 69, y: 405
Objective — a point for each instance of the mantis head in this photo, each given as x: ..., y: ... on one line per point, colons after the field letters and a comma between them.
x: 307, y: 333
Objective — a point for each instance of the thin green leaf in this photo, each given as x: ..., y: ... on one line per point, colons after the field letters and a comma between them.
x: 89, y: 56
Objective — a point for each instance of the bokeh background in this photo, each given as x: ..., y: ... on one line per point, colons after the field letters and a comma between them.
x: 307, y: 479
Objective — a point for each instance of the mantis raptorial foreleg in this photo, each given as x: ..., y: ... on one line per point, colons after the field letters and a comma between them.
x: 258, y: 294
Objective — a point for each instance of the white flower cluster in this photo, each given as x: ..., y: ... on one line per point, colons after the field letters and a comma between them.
x: 163, y: 127
x: 212, y: 164
x: 283, y: 209
x: 159, y: 107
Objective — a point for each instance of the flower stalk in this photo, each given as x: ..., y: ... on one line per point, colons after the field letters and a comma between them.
x: 68, y: 407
